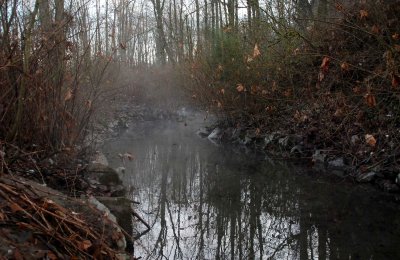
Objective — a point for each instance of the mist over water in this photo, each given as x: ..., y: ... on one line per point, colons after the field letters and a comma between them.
x: 205, y: 201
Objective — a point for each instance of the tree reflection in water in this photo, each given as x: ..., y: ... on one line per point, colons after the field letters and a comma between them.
x: 206, y: 202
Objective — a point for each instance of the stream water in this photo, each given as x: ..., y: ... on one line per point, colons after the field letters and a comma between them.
x: 205, y: 201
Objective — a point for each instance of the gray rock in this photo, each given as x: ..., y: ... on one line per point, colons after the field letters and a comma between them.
x: 297, y: 149
x: 366, y: 177
x: 215, y: 134
x: 203, y: 132
x: 319, y: 157
x: 388, y: 186
x: 103, y: 174
x: 288, y: 141
x: 355, y: 139
x: 121, y: 242
x: 120, y: 169
x: 236, y: 133
x: 337, y: 163
x: 270, y: 138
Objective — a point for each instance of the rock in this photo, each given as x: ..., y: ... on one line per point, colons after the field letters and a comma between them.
x: 203, y: 132
x: 270, y: 138
x: 121, y: 241
x: 121, y: 208
x: 120, y: 170
x: 104, y: 179
x: 366, y: 177
x: 100, y: 158
x: 236, y: 134
x: 355, y: 139
x: 388, y: 186
x: 337, y: 163
x: 284, y: 141
x: 103, y: 174
x: 398, y: 179
x: 297, y: 149
x: 215, y: 134
x: 319, y: 157
x: 117, y: 191
x: 289, y: 141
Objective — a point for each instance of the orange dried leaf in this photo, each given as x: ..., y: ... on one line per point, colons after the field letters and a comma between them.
x: 357, y: 90
x: 345, y: 66
x: 256, y: 51
x: 370, y: 99
x: 88, y: 103
x: 51, y: 256
x: 363, y: 14
x: 15, y: 207
x: 240, y: 88
x: 325, y: 64
x: 85, y: 245
x: 68, y: 95
x: 375, y: 29
x: 370, y: 140
x: 395, y: 81
x: 287, y: 93
x: 339, y: 7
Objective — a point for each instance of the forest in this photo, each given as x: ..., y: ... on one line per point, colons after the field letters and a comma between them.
x: 316, y: 81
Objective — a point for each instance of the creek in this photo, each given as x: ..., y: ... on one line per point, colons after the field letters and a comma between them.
x: 209, y: 201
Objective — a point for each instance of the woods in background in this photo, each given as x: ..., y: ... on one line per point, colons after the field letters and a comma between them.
x: 263, y: 64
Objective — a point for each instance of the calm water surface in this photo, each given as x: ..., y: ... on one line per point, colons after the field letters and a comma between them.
x: 205, y: 201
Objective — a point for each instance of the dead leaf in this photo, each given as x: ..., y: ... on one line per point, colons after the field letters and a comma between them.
x: 15, y: 207
x: 219, y: 104
x: 256, y: 51
x: 68, y: 95
x: 339, y: 7
x: 51, y: 256
x: 287, y: 93
x: 396, y: 36
x: 85, y: 245
x: 370, y: 99
x: 274, y: 86
x: 128, y: 156
x: 345, y: 66
x: 325, y: 64
x: 397, y: 47
x: 240, y: 88
x: 375, y: 29
x: 222, y: 91
x: 357, y: 90
x: 194, y: 96
x: 363, y: 14
x: 338, y: 113
x: 258, y: 131
x: 370, y: 140
x: 395, y: 81
x: 88, y: 103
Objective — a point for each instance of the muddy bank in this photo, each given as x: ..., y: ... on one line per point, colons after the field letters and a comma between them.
x: 382, y: 172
